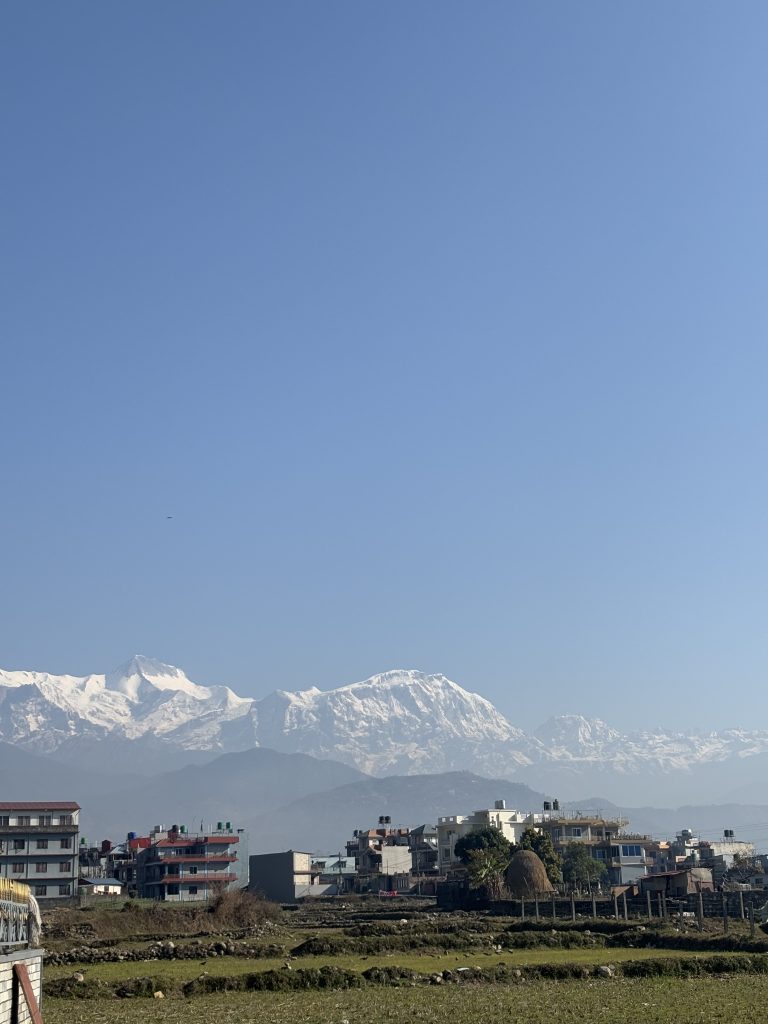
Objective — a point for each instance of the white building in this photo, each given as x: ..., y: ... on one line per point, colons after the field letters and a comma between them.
x: 38, y: 846
x: 450, y: 828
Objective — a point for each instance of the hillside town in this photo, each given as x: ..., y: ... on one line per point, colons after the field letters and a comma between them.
x: 42, y: 846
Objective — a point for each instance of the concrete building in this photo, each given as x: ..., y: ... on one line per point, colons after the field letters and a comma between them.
x: 284, y: 877
x: 181, y: 867
x: 337, y: 874
x: 38, y: 846
x: 422, y: 842
x: 375, y: 838
x: 627, y: 856
x: 719, y: 855
x: 452, y: 827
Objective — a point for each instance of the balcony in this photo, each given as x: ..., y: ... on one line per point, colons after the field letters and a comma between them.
x: 15, y: 830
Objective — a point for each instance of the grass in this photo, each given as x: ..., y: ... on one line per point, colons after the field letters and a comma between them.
x: 617, y: 1001
x: 185, y: 970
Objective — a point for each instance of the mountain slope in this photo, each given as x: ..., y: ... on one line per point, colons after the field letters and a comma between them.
x: 399, y: 721
x: 402, y: 722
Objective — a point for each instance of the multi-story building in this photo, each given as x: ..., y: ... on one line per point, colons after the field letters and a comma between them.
x: 375, y: 838
x: 182, y: 867
x: 626, y: 856
x: 284, y: 877
x: 422, y: 842
x: 39, y: 846
x: 452, y: 827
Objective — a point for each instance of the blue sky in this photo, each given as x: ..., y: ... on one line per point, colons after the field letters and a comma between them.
x: 439, y: 329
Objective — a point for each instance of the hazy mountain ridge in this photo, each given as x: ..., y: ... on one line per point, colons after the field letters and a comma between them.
x: 399, y: 722
x: 295, y: 801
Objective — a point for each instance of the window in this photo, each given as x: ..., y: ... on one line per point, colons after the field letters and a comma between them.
x: 65, y: 890
x: 446, y: 853
x: 599, y: 854
x: 193, y: 869
x: 41, y: 890
x: 41, y: 867
x: 65, y: 865
x: 173, y: 890
x: 65, y: 819
x: 18, y: 868
x: 42, y: 844
x: 5, y: 821
x: 557, y: 833
x: 193, y: 890
x: 576, y: 832
x: 614, y: 851
x: 45, y: 819
x: 632, y: 850
x: 66, y: 842
x: 19, y: 844
x: 23, y: 819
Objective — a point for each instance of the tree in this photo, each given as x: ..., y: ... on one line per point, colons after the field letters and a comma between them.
x: 486, y: 867
x: 580, y: 869
x: 486, y: 838
x: 741, y: 871
x: 541, y: 844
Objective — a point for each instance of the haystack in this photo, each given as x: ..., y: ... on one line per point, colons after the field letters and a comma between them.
x: 526, y: 876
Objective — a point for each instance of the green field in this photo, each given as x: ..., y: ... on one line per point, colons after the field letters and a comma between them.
x: 616, y: 1001
x: 426, y: 963
x: 358, y: 964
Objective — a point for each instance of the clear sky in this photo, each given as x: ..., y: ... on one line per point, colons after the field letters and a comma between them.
x: 438, y: 328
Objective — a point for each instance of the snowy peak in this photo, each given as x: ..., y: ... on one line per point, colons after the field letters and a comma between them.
x: 399, y: 722
x: 142, y: 677
x: 576, y: 735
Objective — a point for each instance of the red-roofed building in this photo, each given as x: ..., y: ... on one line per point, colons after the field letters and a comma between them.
x: 181, y: 867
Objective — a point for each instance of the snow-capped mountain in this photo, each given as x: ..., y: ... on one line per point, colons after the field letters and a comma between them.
x: 396, y: 722
x: 41, y: 711
x: 401, y: 721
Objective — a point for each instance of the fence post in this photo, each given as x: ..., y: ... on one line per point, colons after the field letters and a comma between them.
x: 624, y: 900
x: 522, y: 909
x: 616, y: 906
x: 741, y: 904
x: 751, y: 921
x: 648, y: 901
x: 594, y: 905
x: 701, y: 912
x: 536, y: 906
x: 554, y: 907
x: 725, y: 914
x: 661, y: 907
x: 573, y: 907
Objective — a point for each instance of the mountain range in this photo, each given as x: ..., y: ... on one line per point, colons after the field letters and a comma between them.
x: 401, y: 722
x: 295, y: 801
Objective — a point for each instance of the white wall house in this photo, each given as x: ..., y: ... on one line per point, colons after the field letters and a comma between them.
x: 452, y: 827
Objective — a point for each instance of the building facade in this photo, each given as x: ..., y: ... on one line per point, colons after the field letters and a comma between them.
x: 180, y: 867
x: 452, y: 827
x: 39, y: 846
x: 284, y: 877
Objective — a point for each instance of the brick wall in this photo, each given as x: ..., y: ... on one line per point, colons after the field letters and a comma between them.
x: 33, y: 959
